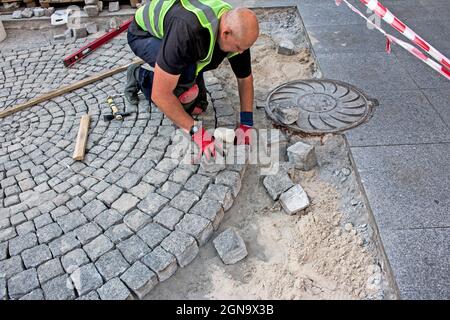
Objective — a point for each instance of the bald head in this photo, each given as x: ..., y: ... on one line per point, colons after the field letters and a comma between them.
x: 238, y: 27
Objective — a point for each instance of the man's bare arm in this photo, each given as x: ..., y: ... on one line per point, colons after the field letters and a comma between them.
x: 162, y: 95
x: 246, y: 93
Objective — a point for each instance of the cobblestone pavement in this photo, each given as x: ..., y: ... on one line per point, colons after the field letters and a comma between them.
x: 117, y: 223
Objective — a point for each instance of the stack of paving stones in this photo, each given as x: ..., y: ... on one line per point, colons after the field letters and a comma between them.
x: 116, y: 224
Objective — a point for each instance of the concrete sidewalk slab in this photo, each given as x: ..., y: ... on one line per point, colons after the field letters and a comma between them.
x: 403, y: 117
x: 440, y: 98
x: 407, y: 186
x: 420, y: 261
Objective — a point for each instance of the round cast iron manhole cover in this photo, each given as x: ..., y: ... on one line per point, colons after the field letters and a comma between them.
x: 318, y: 106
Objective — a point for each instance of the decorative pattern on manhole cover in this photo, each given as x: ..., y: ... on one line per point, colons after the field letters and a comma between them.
x: 318, y: 106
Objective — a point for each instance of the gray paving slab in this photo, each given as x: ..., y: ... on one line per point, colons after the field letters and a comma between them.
x: 420, y: 261
x: 326, y: 13
x: 440, y: 99
x: 407, y: 186
x: 403, y: 117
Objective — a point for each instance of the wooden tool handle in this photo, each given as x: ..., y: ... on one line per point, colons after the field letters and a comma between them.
x: 80, y: 145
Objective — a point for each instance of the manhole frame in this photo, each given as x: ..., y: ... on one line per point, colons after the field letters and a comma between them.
x: 371, y: 103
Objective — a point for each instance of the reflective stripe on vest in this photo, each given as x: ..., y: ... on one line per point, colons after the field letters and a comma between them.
x: 151, y: 18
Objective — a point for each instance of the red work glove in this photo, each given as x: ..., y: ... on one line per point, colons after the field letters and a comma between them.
x: 206, y: 143
x: 243, y: 135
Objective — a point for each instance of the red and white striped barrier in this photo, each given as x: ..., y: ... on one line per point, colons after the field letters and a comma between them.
x: 443, y: 67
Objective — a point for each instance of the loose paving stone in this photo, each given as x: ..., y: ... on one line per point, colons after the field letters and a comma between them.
x: 86, y: 279
x: 136, y: 220
x: 114, y: 289
x: 230, y: 246
x: 98, y: 247
x: 155, y: 178
x: 169, y: 189
x: 60, y: 288
x: 49, y: 270
x: 169, y: 217
x: 277, y: 184
x: 140, y: 279
x: 49, y: 233
x: 64, y: 244
x: 111, y: 265
x: 152, y: 204
x: 87, y: 232
x: 294, y: 200
x: 10, y: 267
x: 19, y: 244
x: 302, y: 155
x: 110, y: 195
x: 125, y: 203
x: 182, y: 246
x: 198, y: 227
x: 71, y: 221
x: 153, y: 234
x: 108, y: 218
x: 184, y: 201
x: 25, y: 228
x: 161, y: 262
x: 36, y: 256
x: 22, y: 283
x: 220, y: 193
x: 133, y: 249
x: 37, y: 294
x: 74, y: 259
x: 209, y: 209
x: 118, y: 233
x: 93, y: 295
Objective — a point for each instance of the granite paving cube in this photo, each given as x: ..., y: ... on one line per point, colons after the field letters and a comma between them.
x: 142, y: 190
x: 22, y: 283
x: 37, y: 294
x: 118, y: 233
x: 294, y: 200
x: 7, y: 234
x: 136, y: 220
x: 155, y: 178
x: 198, y: 227
x: 10, y: 267
x: 49, y: 233
x: 64, y: 244
x: 125, y: 203
x: 231, y: 179
x: 161, y: 262
x: 75, y: 204
x: 42, y: 220
x: 71, y: 221
x: 110, y: 195
x: 87, y: 232
x: 169, y: 217
x: 230, y: 246
x: 3, y: 293
x: 3, y: 250
x: 114, y: 289
x: 140, y: 279
x: 25, y: 228
x: 277, y: 184
x: 86, y: 279
x: 98, y: 247
x: 108, y: 218
x: 74, y: 259
x: 184, y: 201
x: 182, y: 246
x: 49, y: 270
x: 36, y: 256
x: 302, y: 155
x: 18, y: 219
x: 209, y: 209
x: 111, y: 264
x: 60, y: 288
x: 93, y: 295
x: 167, y: 165
x: 153, y: 234
x: 220, y: 193
x: 152, y: 204
x: 169, y: 189
x: 133, y: 249
x: 59, y: 212
x: 129, y: 180
x: 18, y: 244
x: 180, y: 176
